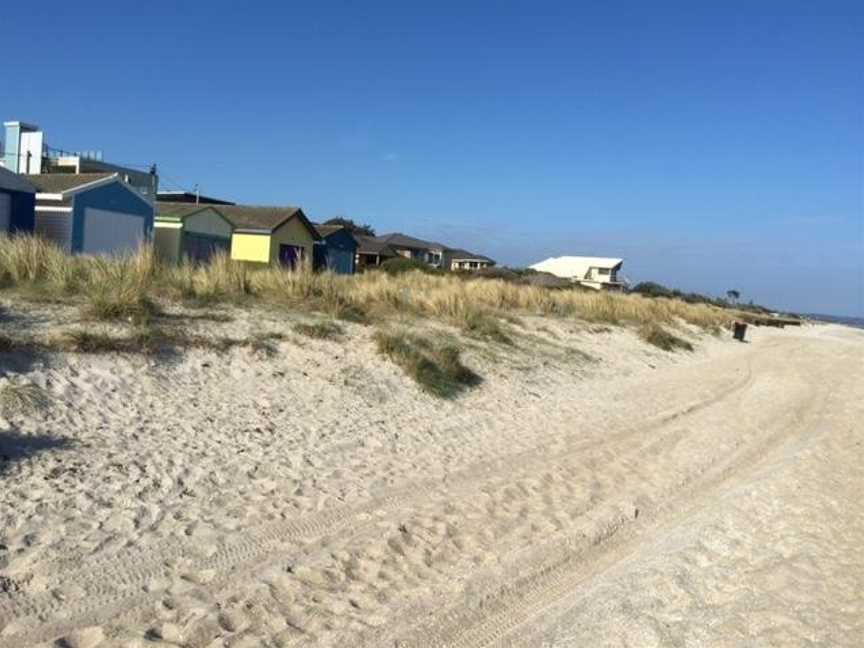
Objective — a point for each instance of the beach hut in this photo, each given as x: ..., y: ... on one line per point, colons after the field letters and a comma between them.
x: 17, y: 203
x: 190, y: 231
x: 336, y: 249
x: 91, y: 213
x: 276, y: 235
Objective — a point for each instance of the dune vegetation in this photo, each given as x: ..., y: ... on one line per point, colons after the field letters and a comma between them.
x: 139, y: 291
x: 130, y: 288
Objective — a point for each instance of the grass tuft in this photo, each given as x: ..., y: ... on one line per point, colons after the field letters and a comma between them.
x: 146, y: 340
x: 320, y: 330
x: 265, y: 343
x: 111, y: 306
x: 663, y: 339
x: 23, y: 399
x: 351, y: 313
x: 119, y: 288
x: 486, y: 327
x: 437, y: 368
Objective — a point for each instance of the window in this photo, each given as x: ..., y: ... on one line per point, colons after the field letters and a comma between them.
x: 603, y: 271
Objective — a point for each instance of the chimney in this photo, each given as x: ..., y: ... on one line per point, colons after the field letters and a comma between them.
x: 23, y: 147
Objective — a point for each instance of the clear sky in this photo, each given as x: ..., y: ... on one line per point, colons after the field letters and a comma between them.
x: 712, y: 145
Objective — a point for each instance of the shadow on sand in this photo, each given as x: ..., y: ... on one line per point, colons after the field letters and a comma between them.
x: 15, y: 447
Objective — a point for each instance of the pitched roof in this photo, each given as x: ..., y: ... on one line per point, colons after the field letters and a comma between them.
x: 266, y: 219
x: 178, y: 209
x: 241, y: 217
x: 13, y: 182
x: 574, y: 267
x: 58, y: 183
x: 327, y: 230
x: 372, y: 245
x: 456, y: 254
x: 403, y: 240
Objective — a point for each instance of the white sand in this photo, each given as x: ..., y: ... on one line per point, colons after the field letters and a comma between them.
x: 319, y: 498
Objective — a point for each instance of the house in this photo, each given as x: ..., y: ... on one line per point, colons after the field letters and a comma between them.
x: 336, y: 251
x: 189, y: 231
x: 371, y: 252
x: 591, y: 272
x: 28, y: 153
x: 17, y: 203
x: 189, y: 197
x: 91, y: 213
x: 414, y: 248
x: 270, y: 234
x: 456, y: 259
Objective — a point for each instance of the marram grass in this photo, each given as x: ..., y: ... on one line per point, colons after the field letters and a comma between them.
x: 128, y: 287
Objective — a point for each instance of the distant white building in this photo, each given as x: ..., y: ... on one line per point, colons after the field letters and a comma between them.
x: 592, y: 272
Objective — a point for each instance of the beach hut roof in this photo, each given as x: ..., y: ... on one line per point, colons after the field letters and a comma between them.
x: 11, y: 181
x: 61, y: 183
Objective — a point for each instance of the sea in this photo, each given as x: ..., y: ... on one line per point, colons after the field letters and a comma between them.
x: 857, y: 322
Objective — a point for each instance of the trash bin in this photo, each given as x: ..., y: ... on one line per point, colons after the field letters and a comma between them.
x: 739, y: 329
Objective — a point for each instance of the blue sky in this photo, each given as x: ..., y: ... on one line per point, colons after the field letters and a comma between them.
x: 712, y: 147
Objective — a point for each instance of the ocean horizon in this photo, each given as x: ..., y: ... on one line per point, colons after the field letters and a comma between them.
x: 857, y: 322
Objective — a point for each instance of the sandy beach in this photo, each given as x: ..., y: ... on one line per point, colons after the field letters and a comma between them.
x: 592, y: 491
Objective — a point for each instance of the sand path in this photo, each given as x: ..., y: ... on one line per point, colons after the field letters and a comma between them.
x: 712, y: 500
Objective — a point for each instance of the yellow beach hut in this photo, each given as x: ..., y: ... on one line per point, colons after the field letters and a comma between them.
x: 280, y: 235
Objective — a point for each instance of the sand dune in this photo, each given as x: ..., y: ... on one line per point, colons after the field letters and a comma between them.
x: 592, y: 491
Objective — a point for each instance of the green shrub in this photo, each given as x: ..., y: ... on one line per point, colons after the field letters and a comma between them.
x: 486, y: 327
x: 663, y: 339
x: 400, y: 265
x: 437, y: 368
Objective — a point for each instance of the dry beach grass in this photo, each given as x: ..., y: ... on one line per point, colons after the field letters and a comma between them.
x: 126, y: 287
x: 137, y: 289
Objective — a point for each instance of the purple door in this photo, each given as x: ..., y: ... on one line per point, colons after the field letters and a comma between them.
x: 289, y: 255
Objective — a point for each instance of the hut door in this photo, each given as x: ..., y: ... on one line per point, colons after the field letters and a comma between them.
x: 289, y: 255
x: 5, y: 211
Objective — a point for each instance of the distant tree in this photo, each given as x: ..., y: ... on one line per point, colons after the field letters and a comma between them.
x: 652, y: 289
x: 351, y: 226
x: 733, y: 295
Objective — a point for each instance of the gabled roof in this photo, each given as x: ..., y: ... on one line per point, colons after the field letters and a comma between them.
x: 372, y: 245
x: 327, y: 230
x: 249, y: 218
x: 575, y: 267
x: 14, y: 182
x: 403, y: 240
x: 246, y: 218
x: 456, y: 254
x: 166, y: 211
x: 262, y: 219
x: 178, y: 210
x: 61, y: 183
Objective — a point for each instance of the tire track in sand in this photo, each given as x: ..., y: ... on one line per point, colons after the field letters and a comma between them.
x: 557, y: 569
x: 120, y: 582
